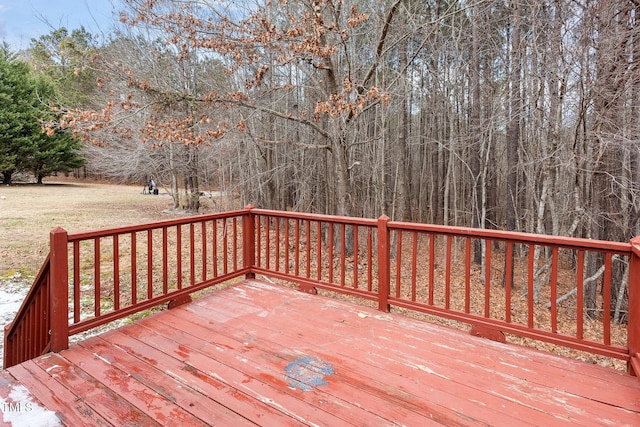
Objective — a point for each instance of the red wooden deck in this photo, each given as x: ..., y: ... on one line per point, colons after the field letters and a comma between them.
x: 258, y: 354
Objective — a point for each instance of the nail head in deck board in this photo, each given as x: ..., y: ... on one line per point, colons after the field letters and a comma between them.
x: 231, y: 348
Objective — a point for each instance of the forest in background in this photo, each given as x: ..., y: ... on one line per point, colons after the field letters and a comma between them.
x: 515, y: 115
x: 518, y: 115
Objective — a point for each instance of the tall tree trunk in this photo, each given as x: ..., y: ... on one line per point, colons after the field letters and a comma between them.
x: 401, y: 196
x: 476, y: 133
x: 513, y: 126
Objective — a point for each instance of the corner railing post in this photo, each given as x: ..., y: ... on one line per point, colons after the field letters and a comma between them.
x: 249, y: 241
x: 633, y: 326
x: 384, y: 263
x: 59, y: 290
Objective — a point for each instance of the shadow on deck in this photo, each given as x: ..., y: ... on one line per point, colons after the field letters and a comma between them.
x: 258, y: 354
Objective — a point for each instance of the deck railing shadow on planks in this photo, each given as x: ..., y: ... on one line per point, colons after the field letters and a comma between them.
x: 577, y: 293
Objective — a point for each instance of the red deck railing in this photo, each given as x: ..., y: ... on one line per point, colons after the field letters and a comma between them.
x: 518, y: 284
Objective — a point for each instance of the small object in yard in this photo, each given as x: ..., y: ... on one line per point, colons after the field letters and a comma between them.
x: 151, y: 185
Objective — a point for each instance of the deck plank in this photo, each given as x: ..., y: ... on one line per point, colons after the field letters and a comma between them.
x: 68, y: 407
x: 148, y: 388
x: 263, y: 381
x: 470, y: 378
x: 395, y: 370
x: 174, y: 358
x: 269, y: 362
x: 259, y: 354
x: 109, y: 403
x: 393, y: 395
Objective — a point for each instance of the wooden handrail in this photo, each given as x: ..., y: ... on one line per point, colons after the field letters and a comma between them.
x: 96, y: 277
x: 27, y: 336
x: 399, y: 263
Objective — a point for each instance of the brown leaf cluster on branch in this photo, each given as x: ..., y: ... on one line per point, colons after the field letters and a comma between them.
x: 307, y: 35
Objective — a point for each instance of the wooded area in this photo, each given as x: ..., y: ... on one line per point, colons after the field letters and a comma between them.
x: 508, y: 115
x: 494, y: 114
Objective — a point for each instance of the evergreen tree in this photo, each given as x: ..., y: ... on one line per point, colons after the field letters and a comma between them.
x: 54, y: 151
x: 24, y: 107
x: 16, y: 124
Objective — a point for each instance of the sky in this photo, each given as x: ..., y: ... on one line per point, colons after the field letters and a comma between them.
x: 22, y: 20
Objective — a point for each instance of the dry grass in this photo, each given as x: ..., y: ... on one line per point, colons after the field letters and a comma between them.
x: 29, y: 212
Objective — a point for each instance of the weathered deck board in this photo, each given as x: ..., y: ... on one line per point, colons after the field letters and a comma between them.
x: 257, y: 354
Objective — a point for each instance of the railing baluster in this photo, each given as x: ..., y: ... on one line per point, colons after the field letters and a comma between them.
x: 297, y: 247
x: 432, y: 266
x: 258, y: 241
x: 134, y: 269
x: 37, y: 325
x: 530, y: 275
x: 225, y: 243
x: 487, y: 280
x: 76, y: 281
x: 179, y: 271
x: 606, y: 314
x: 369, y: 259
x: 286, y: 245
x: 467, y: 278
x: 447, y: 293
x: 277, y: 242
x: 267, y: 243
x: 331, y: 237
x: 149, y: 264
x: 319, y: 249
x: 165, y: 261
x: 398, y: 261
x: 554, y: 289
x: 214, y: 243
x: 192, y: 255
x: 355, y: 257
x: 235, y: 243
x: 307, y: 230
x: 580, y: 296
x: 30, y: 330
x: 414, y: 266
x: 203, y: 258
x: 508, y: 281
x: 116, y: 272
x: 343, y: 253
x: 96, y: 277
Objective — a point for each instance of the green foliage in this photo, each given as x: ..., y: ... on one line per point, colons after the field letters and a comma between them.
x: 24, y: 108
x: 64, y: 60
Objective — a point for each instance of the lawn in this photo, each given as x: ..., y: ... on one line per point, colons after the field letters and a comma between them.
x: 29, y: 212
